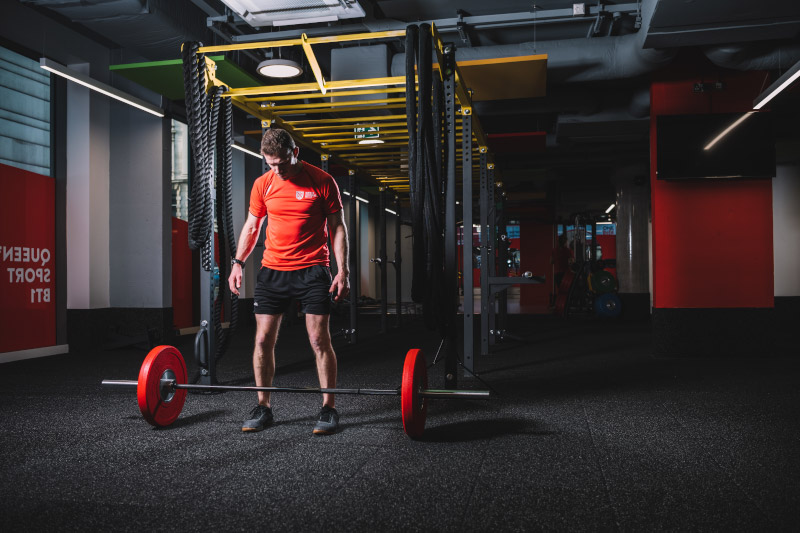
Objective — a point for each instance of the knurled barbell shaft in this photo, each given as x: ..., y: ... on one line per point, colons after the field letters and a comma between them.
x: 426, y: 393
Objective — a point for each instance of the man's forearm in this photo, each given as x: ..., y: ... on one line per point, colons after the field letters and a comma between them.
x: 341, y: 249
x: 247, y: 242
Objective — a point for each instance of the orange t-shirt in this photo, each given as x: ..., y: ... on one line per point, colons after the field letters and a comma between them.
x: 296, y: 210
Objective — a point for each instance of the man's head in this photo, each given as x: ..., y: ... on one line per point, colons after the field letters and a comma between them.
x: 280, y: 152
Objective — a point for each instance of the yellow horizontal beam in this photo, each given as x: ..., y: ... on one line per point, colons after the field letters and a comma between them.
x: 367, y: 154
x: 349, y: 119
x: 296, y: 42
x: 364, y: 146
x: 354, y: 108
x: 369, y: 82
x: 275, y: 89
x: 350, y: 138
x: 313, y: 87
x: 331, y: 105
x: 351, y: 133
x: 394, y: 156
x: 344, y: 127
x: 248, y: 46
x: 330, y: 94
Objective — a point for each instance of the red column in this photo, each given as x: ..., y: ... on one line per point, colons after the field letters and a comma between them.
x: 536, y: 245
x: 712, y: 239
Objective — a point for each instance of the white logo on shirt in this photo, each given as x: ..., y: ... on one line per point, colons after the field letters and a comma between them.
x: 305, y: 194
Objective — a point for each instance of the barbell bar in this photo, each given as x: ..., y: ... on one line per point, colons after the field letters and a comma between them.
x: 161, y: 389
x: 427, y: 393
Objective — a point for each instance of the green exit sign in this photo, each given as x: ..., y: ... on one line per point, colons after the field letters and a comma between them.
x: 369, y: 132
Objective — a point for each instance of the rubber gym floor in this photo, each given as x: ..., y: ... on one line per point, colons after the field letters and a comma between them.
x: 587, y: 431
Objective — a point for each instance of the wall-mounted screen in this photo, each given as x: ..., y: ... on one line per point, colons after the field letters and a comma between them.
x: 718, y: 145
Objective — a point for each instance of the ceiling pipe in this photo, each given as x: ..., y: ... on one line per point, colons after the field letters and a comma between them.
x: 579, y: 60
x: 445, y: 25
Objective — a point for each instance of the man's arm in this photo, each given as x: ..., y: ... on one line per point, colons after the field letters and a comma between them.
x: 338, y: 231
x: 247, y: 241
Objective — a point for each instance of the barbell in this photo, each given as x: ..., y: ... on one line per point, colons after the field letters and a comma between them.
x: 161, y: 389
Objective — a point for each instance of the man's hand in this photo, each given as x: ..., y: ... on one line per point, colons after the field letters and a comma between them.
x: 235, y: 279
x: 340, y: 287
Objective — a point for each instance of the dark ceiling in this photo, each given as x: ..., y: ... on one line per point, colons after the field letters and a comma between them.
x: 593, y: 120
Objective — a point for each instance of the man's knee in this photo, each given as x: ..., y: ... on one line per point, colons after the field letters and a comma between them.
x: 320, y: 343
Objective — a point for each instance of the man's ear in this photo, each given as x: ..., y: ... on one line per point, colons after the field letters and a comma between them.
x: 296, y: 151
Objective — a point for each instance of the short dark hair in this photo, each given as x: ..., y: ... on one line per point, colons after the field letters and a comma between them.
x: 276, y: 142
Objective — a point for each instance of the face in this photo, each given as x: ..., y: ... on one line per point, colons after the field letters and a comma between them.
x: 284, y: 165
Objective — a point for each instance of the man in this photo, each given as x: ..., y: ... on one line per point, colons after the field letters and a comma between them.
x: 303, y: 207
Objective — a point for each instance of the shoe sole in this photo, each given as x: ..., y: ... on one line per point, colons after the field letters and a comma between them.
x: 254, y: 430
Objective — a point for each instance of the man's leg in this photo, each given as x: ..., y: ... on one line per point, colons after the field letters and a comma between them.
x: 264, y: 353
x: 319, y: 336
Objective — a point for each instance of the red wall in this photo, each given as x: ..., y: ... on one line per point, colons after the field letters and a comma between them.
x: 27, y: 260
x: 712, y: 239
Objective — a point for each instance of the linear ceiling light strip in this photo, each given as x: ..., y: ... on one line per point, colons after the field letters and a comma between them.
x: 100, y: 87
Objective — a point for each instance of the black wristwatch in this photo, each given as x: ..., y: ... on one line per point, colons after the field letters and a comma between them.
x: 235, y: 261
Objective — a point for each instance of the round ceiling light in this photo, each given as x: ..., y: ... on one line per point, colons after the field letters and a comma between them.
x: 279, y: 68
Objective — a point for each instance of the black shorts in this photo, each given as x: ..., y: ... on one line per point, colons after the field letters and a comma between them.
x: 275, y: 289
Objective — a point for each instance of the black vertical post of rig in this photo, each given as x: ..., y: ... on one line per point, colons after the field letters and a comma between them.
x: 492, y: 221
x: 383, y: 262
x: 398, y: 257
x: 487, y: 251
x: 210, y: 118
x: 466, y: 204
x: 502, y: 258
x: 354, y: 255
x: 451, y: 237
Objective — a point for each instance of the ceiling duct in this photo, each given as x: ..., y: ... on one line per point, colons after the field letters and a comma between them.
x: 154, y: 29
x: 258, y: 13
x: 755, y: 56
x: 578, y: 60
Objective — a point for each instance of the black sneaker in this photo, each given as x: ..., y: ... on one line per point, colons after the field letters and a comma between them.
x: 260, y: 418
x: 328, y: 421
